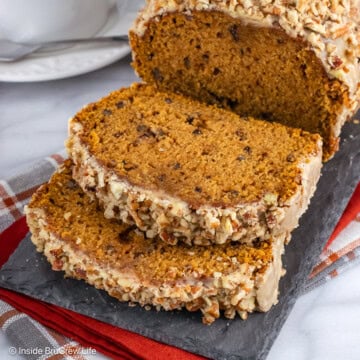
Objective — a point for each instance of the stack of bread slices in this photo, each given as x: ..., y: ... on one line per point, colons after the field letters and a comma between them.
x: 173, y: 203
x: 170, y: 202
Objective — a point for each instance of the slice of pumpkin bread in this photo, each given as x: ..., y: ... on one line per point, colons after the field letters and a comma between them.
x: 71, y: 231
x: 191, y: 172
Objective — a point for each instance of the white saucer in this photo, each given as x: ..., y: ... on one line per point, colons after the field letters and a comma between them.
x: 75, y: 60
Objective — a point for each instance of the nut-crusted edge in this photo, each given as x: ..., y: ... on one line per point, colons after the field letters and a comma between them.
x: 330, y: 28
x: 158, y: 213
x: 243, y: 291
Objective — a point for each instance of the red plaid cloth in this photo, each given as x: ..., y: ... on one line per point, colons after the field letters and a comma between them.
x: 53, y: 328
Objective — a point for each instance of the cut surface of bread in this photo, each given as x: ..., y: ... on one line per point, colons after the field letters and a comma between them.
x: 278, y: 61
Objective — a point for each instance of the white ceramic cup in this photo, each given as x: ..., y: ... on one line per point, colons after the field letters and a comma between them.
x: 33, y: 21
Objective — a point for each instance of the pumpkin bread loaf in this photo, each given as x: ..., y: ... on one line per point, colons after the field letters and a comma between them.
x: 71, y: 231
x: 293, y: 62
x: 187, y: 171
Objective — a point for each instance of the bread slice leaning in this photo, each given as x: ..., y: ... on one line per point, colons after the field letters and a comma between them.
x: 189, y: 172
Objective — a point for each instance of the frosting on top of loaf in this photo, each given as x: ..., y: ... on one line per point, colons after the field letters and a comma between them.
x: 331, y: 27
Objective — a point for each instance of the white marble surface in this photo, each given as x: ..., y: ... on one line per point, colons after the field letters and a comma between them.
x: 33, y: 120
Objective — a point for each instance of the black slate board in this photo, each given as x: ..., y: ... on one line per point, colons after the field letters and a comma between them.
x: 28, y: 272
